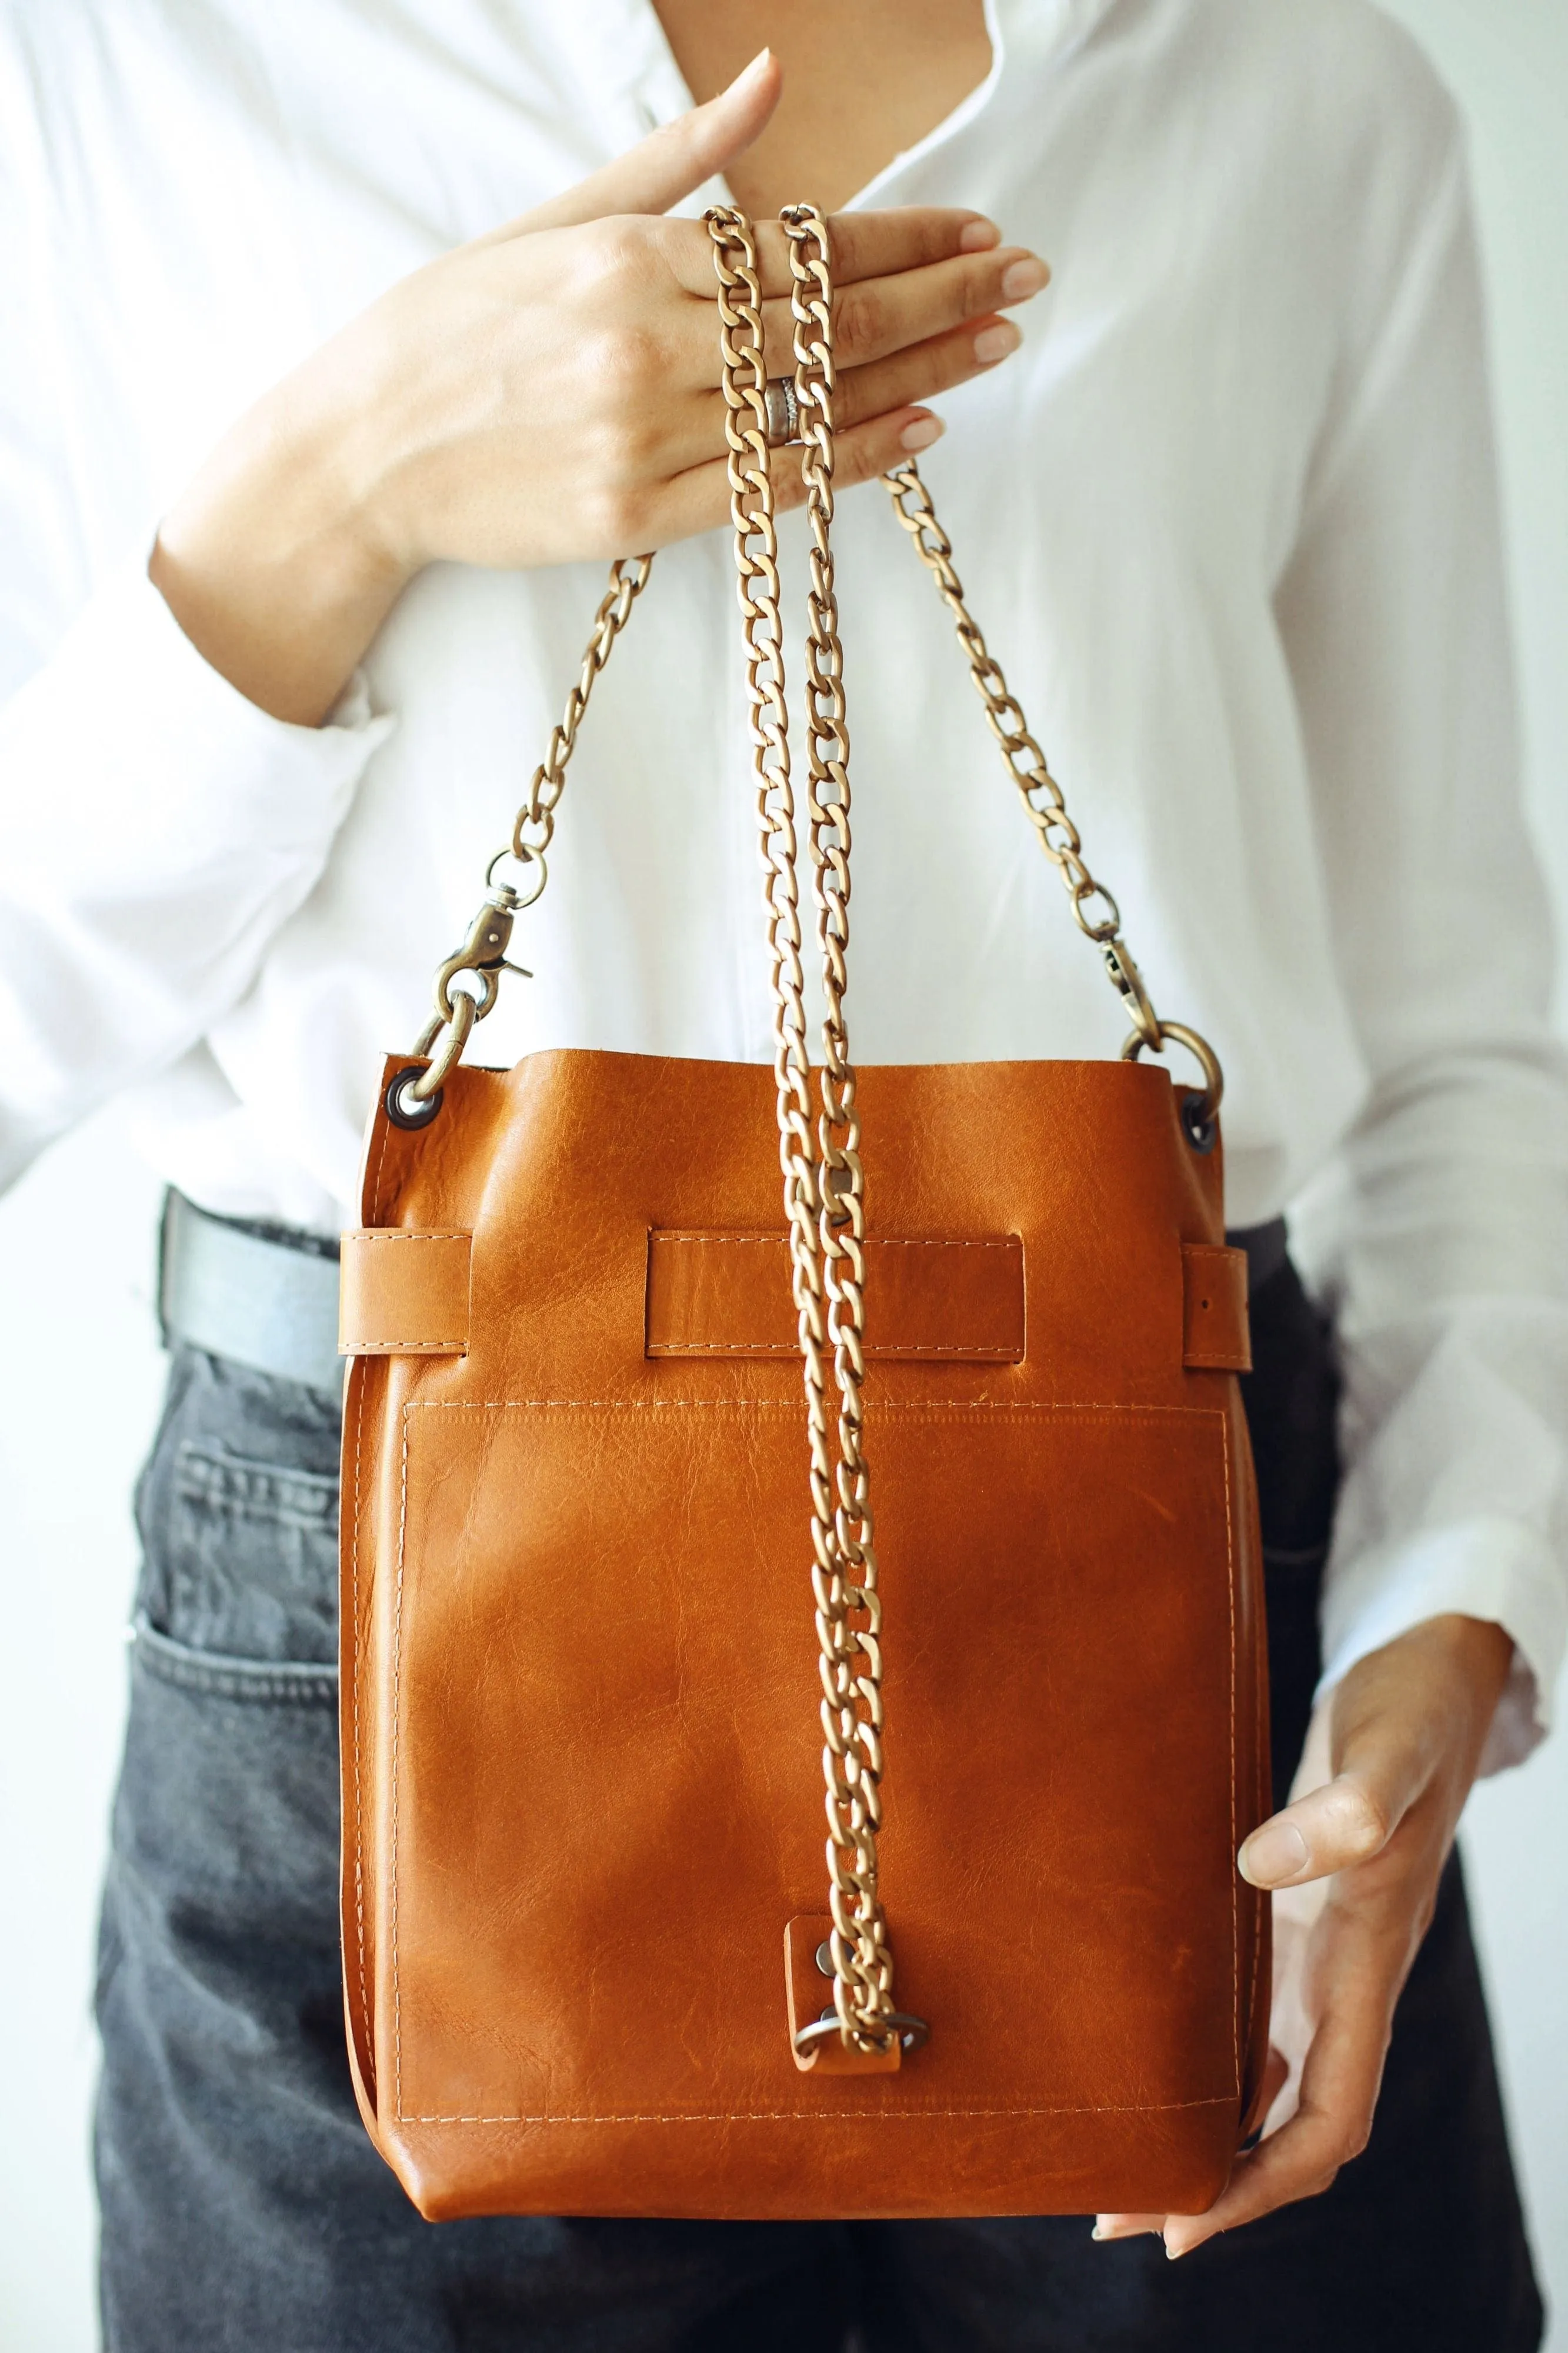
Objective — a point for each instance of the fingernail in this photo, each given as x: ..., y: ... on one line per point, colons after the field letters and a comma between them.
x: 921, y: 433
x: 1022, y: 279
x: 993, y: 343
x: 979, y: 236
x: 1276, y: 1853
x: 750, y: 73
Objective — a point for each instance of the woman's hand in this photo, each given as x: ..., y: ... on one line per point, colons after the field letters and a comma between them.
x: 550, y: 392
x: 1356, y: 1859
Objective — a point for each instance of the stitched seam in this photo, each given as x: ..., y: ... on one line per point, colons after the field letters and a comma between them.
x: 389, y: 1348
x: 400, y: 1234
x: 834, y: 2116
x: 1229, y: 1361
x: 358, y: 1670
x: 791, y: 1404
x: 660, y: 1234
x: 397, y: 1711
x: 1258, y: 1902
x: 990, y: 1352
x: 373, y: 1206
x: 307, y: 1686
x: 1213, y: 1250
x: 1235, y: 1905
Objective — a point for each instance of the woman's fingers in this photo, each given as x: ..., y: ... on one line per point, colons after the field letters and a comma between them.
x: 699, y: 499
x: 1371, y: 1753
x: 1357, y: 1970
x: 879, y: 316
x: 862, y: 246
x: 864, y: 394
x: 1347, y: 1822
x: 923, y: 370
x: 671, y: 161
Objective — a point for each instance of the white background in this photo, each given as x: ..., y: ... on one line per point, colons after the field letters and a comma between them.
x: 80, y: 1378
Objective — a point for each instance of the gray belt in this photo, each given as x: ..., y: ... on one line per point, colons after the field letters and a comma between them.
x: 266, y: 1296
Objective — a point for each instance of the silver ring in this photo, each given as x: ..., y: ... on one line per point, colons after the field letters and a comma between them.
x: 782, y: 411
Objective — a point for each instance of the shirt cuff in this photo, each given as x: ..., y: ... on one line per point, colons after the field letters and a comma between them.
x: 1488, y: 1568
x: 159, y: 828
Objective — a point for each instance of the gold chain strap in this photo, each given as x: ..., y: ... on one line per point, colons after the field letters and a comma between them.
x: 824, y: 1200
x: 1044, y: 804
x: 849, y: 1607
x: 533, y: 830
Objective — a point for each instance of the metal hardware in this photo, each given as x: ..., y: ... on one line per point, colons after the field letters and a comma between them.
x: 484, y: 950
x: 783, y: 405
x: 1128, y: 982
x: 824, y: 1958
x: 1199, y: 1112
x: 913, y: 2034
x: 404, y: 1107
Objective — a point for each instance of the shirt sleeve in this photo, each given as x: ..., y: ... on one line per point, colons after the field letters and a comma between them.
x: 156, y: 829
x: 1441, y: 1230
x: 159, y: 829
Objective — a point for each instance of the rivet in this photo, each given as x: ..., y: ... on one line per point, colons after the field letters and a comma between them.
x: 824, y: 1958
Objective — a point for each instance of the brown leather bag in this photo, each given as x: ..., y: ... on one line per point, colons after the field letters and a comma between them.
x: 616, y: 1622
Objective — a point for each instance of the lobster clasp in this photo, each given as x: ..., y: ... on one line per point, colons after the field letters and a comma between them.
x: 484, y: 952
x: 1128, y: 981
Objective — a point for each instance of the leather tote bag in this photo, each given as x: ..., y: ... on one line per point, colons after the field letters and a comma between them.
x: 803, y: 1648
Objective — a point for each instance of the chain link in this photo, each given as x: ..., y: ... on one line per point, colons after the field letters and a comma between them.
x: 533, y: 830
x: 849, y: 1607
x: 1093, y: 907
x: 823, y: 1186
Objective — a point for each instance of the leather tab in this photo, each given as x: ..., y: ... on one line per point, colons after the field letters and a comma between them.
x: 1217, y: 1338
x: 809, y: 1991
x: 729, y: 1294
x: 404, y: 1295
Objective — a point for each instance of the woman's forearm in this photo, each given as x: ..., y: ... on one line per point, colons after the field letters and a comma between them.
x: 272, y: 568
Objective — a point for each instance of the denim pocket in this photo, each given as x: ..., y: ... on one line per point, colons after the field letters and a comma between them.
x: 291, y: 1682
x: 251, y: 1552
x: 239, y: 1510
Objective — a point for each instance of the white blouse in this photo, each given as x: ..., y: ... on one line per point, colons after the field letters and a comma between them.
x: 1228, y: 519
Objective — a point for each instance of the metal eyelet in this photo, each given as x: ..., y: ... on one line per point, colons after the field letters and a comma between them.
x: 403, y: 1108
x: 1199, y: 1125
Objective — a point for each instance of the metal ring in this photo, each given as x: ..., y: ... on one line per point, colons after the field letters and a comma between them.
x: 427, y: 1084
x: 516, y: 900
x: 913, y: 2032
x: 1199, y: 1113
x: 783, y: 410
x: 403, y: 1108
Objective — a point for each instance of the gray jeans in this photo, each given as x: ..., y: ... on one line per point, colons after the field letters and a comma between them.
x: 244, y: 2207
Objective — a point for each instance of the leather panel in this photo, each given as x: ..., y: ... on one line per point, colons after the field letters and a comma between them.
x: 1215, y: 1334
x: 582, y: 1789
x: 730, y: 1295
x: 403, y: 1293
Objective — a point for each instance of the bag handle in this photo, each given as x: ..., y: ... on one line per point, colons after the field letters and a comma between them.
x: 824, y: 1181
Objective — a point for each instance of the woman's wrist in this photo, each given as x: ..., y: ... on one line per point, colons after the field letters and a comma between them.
x: 273, y: 565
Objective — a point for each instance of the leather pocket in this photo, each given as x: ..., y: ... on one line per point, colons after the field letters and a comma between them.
x: 577, y: 1672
